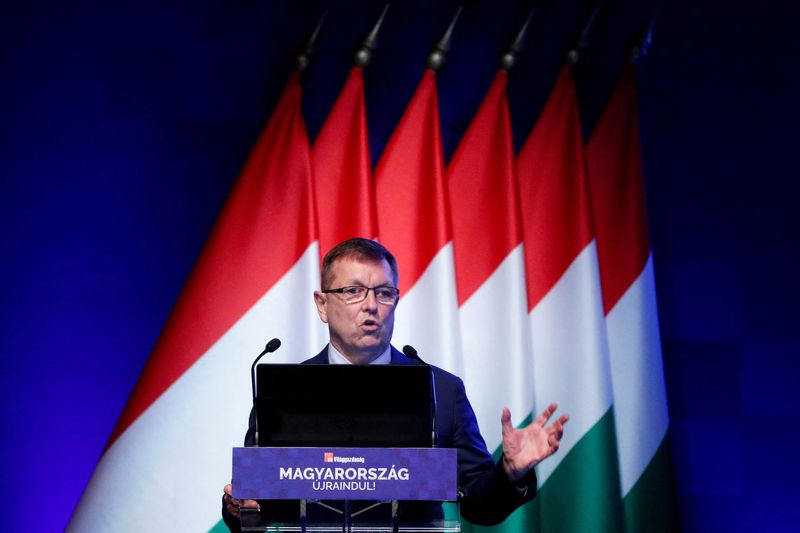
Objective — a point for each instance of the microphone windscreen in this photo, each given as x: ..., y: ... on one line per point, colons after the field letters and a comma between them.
x: 410, y: 352
x: 272, y: 345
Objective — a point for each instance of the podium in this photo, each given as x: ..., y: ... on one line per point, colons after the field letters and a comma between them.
x: 354, y: 445
x: 378, y: 479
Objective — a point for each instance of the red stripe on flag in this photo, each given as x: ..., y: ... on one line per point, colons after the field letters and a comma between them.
x: 342, y: 174
x: 483, y: 195
x: 413, y: 220
x: 614, y: 159
x: 264, y: 227
x: 554, y: 191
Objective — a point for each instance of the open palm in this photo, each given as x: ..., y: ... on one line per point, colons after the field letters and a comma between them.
x: 526, y: 447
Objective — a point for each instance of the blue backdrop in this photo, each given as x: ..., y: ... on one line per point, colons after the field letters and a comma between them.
x: 124, y: 124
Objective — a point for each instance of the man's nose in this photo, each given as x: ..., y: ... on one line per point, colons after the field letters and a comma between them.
x: 371, y: 301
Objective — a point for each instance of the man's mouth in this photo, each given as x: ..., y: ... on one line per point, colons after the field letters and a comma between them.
x: 370, y: 325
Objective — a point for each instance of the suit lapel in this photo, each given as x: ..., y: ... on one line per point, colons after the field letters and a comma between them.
x: 320, y: 359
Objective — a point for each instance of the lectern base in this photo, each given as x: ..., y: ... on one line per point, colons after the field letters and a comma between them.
x: 443, y: 527
x: 253, y: 522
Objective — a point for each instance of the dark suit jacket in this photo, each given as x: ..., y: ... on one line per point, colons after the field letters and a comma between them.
x: 486, y: 496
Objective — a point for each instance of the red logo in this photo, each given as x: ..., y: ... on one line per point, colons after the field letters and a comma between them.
x: 328, y: 457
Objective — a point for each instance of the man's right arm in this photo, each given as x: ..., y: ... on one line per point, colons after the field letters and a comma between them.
x: 488, y: 495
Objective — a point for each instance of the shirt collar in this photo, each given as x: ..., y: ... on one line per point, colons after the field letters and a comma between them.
x: 336, y: 358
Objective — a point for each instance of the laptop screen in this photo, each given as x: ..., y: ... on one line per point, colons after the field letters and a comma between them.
x: 344, y: 405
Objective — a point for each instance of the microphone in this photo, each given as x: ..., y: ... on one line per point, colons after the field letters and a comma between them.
x: 411, y: 353
x: 271, y: 346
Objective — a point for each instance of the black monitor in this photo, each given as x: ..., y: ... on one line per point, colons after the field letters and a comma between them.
x: 344, y: 405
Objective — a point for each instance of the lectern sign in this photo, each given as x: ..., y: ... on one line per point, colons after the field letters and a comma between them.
x: 345, y: 473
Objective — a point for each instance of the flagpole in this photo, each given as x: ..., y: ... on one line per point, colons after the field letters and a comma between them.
x: 438, y: 55
x: 304, y: 58
x: 509, y: 59
x: 577, y: 48
x: 364, y: 53
x: 644, y: 41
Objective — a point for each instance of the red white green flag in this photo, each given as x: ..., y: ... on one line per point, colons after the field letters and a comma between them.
x: 169, y: 455
x: 579, y: 486
x: 489, y: 259
x: 626, y: 267
x: 414, y: 223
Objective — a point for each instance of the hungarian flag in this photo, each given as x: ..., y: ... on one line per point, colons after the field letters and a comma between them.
x: 169, y: 455
x: 345, y: 196
x: 579, y: 486
x: 626, y: 267
x: 414, y: 223
x: 489, y: 259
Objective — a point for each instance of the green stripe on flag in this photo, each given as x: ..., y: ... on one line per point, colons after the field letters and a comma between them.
x: 651, y: 505
x: 581, y: 495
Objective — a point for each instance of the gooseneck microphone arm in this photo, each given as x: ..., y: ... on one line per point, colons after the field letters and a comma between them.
x: 411, y: 353
x: 271, y: 346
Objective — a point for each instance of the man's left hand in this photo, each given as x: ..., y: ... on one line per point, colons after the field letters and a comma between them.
x: 526, y: 447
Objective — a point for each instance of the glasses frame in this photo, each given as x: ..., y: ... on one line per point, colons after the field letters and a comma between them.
x: 341, y: 291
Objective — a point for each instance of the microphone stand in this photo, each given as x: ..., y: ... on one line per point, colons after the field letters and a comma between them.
x: 411, y: 353
x: 271, y: 346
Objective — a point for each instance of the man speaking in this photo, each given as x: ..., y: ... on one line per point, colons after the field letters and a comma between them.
x: 358, y: 299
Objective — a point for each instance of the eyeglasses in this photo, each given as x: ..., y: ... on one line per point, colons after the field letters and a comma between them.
x: 356, y: 294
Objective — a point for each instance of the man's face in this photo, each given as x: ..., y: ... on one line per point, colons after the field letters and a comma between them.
x: 360, y: 331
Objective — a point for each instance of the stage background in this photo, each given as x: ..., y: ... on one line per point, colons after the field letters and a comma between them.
x: 124, y: 124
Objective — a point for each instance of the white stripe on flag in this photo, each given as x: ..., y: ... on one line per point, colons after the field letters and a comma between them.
x: 640, y: 409
x: 495, y: 342
x: 570, y: 353
x: 166, y: 471
x: 427, y: 317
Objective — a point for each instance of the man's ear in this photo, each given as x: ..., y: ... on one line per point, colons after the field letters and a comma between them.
x: 320, y: 300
